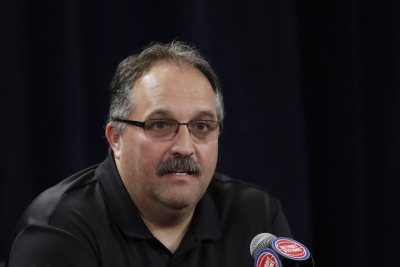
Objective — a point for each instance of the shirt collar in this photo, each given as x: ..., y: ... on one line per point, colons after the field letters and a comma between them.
x: 205, y: 223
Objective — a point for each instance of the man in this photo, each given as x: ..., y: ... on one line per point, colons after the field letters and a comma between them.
x: 155, y: 200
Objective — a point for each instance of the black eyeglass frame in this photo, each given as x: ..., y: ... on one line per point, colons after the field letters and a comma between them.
x: 141, y: 124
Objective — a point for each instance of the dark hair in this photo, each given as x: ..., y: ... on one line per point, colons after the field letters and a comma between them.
x: 132, y: 68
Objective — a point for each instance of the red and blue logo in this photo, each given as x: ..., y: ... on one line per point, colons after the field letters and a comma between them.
x: 290, y: 249
x: 267, y: 258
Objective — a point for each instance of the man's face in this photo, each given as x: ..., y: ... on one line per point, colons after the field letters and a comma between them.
x: 168, y: 91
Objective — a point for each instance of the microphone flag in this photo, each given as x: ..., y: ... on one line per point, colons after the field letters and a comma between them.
x: 267, y: 258
x: 290, y: 249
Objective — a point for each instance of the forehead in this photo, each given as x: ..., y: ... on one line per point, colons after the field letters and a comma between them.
x: 173, y: 90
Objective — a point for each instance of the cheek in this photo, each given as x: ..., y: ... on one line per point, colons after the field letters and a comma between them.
x: 209, y: 156
x: 139, y: 157
x: 149, y: 155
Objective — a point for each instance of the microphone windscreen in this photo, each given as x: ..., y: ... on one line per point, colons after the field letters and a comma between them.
x: 260, y: 242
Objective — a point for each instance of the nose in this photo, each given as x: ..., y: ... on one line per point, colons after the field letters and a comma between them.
x: 182, y: 142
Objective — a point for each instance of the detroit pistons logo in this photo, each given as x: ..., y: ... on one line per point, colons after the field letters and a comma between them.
x: 291, y: 249
x: 267, y: 258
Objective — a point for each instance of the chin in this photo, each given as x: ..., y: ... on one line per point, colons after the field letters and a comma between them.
x: 178, y: 206
x: 181, y: 203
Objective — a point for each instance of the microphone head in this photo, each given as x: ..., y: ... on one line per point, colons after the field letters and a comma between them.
x: 260, y: 242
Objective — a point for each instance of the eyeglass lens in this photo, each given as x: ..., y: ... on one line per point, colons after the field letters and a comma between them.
x: 163, y: 130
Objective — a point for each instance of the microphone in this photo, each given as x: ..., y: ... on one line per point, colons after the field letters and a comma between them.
x: 287, y: 249
x: 267, y: 258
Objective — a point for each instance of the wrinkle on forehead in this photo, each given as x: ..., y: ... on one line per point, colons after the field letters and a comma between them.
x: 198, y: 114
x: 151, y: 80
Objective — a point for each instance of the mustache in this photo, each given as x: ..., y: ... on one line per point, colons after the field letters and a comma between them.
x: 179, y: 163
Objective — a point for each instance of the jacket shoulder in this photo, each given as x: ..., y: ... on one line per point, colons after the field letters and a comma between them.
x: 39, y: 211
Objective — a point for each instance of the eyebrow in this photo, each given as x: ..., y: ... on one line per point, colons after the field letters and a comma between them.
x: 206, y: 113
x: 198, y: 114
x: 163, y: 112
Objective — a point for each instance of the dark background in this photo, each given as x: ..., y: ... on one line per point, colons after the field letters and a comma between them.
x: 311, y: 91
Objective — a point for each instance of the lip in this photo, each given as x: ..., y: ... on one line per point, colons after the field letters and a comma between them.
x: 179, y: 176
x: 181, y: 173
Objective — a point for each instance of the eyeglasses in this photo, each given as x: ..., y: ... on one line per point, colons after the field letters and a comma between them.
x: 202, y: 131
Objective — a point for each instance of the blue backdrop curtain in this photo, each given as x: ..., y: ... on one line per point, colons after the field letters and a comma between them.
x: 311, y: 91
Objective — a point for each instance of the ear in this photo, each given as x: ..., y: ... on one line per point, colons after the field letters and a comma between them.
x: 114, y: 140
